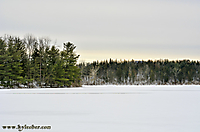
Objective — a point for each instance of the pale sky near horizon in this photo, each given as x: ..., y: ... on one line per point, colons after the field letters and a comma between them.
x: 102, y: 29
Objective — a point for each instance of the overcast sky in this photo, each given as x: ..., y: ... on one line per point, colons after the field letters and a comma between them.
x: 103, y: 29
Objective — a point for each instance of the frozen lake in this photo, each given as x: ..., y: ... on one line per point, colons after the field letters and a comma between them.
x: 104, y: 108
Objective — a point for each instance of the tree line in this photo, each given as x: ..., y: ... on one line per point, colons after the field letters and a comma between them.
x: 158, y: 72
x: 33, y: 62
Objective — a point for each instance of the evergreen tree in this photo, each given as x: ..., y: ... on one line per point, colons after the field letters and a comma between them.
x: 32, y: 62
x: 13, y: 65
x: 72, y: 72
x: 159, y: 72
x: 3, y: 60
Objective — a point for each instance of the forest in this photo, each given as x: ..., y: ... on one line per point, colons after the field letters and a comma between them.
x: 32, y: 62
x: 123, y: 72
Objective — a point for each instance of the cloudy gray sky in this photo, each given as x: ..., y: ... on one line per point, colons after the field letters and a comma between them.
x: 103, y: 29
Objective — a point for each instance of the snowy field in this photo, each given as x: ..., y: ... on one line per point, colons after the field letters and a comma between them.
x: 103, y: 109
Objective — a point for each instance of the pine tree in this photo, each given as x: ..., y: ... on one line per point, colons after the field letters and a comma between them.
x: 3, y: 58
x: 13, y: 62
x: 53, y: 54
x: 72, y: 72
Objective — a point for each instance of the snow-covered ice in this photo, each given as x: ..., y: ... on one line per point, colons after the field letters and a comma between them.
x: 104, y: 108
